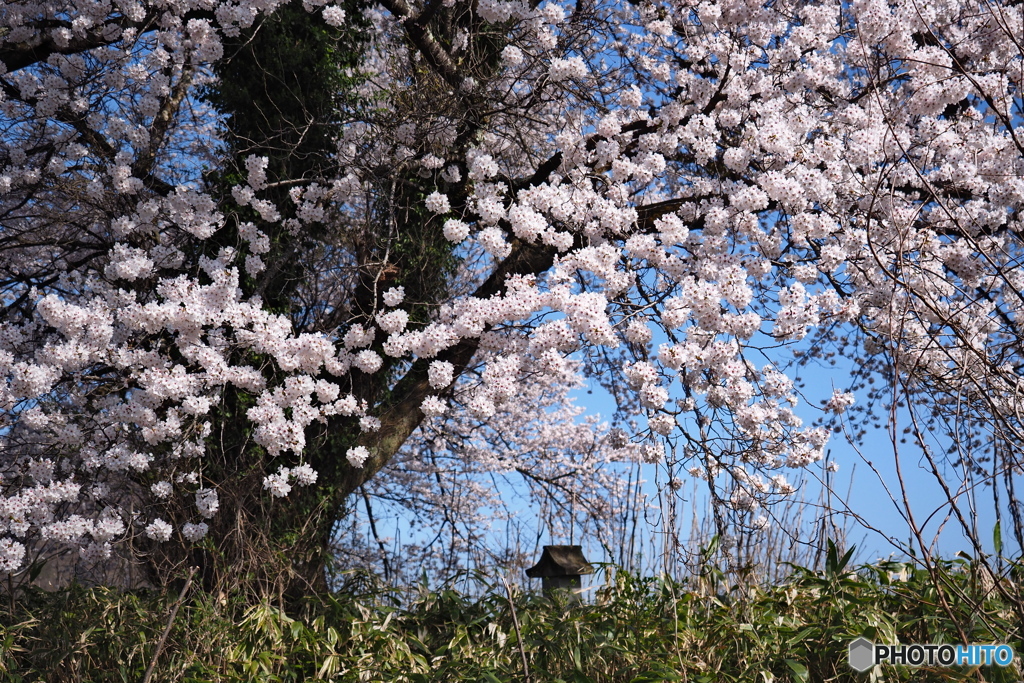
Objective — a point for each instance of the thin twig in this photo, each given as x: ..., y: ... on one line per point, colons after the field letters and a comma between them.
x: 519, y: 633
x: 170, y: 622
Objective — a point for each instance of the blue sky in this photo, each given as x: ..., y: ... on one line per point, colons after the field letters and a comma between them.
x: 867, y: 475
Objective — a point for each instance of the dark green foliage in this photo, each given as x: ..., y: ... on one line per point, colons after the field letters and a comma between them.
x: 638, y: 629
x: 285, y: 85
x: 285, y: 88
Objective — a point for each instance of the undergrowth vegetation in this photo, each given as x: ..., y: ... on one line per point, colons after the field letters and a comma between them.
x: 628, y: 628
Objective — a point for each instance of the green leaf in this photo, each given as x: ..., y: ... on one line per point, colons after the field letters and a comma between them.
x: 798, y: 669
x: 655, y: 676
x: 802, y: 636
x: 834, y: 565
x: 34, y: 570
x: 997, y: 538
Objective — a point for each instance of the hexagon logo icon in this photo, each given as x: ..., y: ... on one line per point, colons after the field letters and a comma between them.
x: 862, y: 654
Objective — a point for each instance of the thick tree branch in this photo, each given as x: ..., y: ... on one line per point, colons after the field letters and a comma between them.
x: 403, y: 415
x: 17, y: 56
x: 161, y: 124
x: 433, y: 53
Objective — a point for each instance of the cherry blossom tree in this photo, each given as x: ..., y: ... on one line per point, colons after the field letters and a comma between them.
x: 668, y: 197
x: 464, y: 494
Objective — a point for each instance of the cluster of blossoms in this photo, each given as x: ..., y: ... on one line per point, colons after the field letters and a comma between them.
x: 741, y: 176
x: 278, y: 483
x: 452, y: 465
